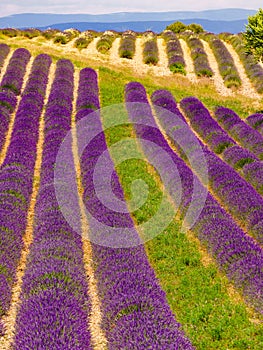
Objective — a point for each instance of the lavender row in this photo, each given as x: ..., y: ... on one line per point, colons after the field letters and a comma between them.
x: 174, y: 52
x: 235, y: 252
x: 135, y: 313
x: 16, y: 178
x: 256, y: 122
x: 244, y: 134
x: 4, y: 51
x: 127, y: 45
x: 219, y: 142
x: 239, y: 197
x: 225, y: 62
x: 150, y: 49
x: 199, y: 56
x: 252, y: 68
x: 54, y: 301
x: 105, y: 42
x: 8, y: 101
x: 13, y: 77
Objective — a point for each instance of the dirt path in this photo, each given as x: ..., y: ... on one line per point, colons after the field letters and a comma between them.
x: 189, y: 65
x: 10, y: 319
x: 247, y: 88
x: 69, y: 47
x: 92, y: 52
x: 98, y: 338
x: 217, y: 78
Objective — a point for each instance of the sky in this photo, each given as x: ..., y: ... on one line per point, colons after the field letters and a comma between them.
x: 107, y: 6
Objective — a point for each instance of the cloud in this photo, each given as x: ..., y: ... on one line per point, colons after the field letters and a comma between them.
x: 106, y: 6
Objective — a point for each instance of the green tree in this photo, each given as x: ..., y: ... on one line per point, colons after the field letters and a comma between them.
x: 196, y: 28
x: 176, y: 27
x: 179, y: 27
x: 254, y: 35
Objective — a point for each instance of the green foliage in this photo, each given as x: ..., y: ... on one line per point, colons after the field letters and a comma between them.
x: 176, y: 27
x: 50, y: 33
x: 179, y: 27
x: 82, y: 43
x: 10, y: 32
x: 177, y: 68
x: 105, y: 42
x: 196, y: 28
x: 254, y: 35
x: 60, y: 39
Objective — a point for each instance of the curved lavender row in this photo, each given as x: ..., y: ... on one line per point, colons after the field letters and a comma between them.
x: 240, y: 198
x: 235, y: 252
x: 199, y: 56
x: 206, y: 126
x: 240, y: 131
x: 13, y: 78
x: 54, y: 302
x: 16, y: 180
x: 8, y: 102
x: 135, y: 313
x: 127, y: 45
x: 174, y: 51
x: 256, y: 122
x: 225, y: 62
x: 4, y: 51
x: 220, y: 142
x: 252, y: 68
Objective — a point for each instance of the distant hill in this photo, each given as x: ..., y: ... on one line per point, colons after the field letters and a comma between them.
x: 156, y: 26
x: 48, y: 19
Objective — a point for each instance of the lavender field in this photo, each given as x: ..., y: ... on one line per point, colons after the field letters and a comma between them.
x: 89, y: 257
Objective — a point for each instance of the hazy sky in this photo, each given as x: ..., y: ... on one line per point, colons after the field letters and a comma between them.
x: 106, y: 6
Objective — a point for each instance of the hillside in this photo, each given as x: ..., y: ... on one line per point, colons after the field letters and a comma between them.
x: 214, y: 26
x: 131, y: 192
x: 232, y: 20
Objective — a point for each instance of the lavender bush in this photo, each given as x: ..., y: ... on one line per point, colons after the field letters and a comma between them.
x: 244, y: 134
x: 239, y: 197
x: 134, y: 308
x: 174, y: 52
x: 13, y: 77
x: 127, y: 45
x: 225, y: 62
x: 237, y: 254
x: 150, y: 49
x: 4, y: 51
x: 199, y: 56
x: 16, y: 176
x: 54, y: 302
x: 252, y: 68
x: 256, y: 122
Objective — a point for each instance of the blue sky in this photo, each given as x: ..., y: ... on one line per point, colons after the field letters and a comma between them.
x: 105, y: 6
